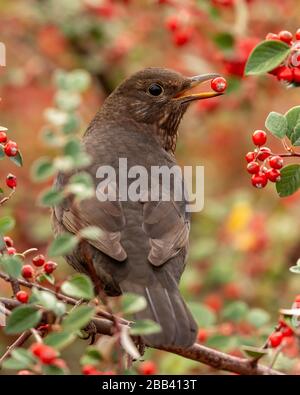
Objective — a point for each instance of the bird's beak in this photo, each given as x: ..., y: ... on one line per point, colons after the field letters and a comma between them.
x: 185, y: 95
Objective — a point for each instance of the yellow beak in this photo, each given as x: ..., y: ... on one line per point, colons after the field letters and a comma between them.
x: 185, y: 94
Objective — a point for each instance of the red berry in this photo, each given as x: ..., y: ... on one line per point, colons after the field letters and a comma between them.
x: 285, y: 74
x: 259, y: 180
x: 48, y: 355
x: 214, y: 301
x: 297, y: 299
x: 296, y: 74
x: 3, y: 137
x: 50, y: 266
x: 277, y: 70
x: 60, y: 363
x: 259, y: 137
x: 11, y: 148
x: 202, y: 335
x: 182, y: 37
x: 36, y: 349
x: 272, y: 36
x: 218, y: 84
x: 11, y: 250
x: 298, y: 34
x: 38, y: 260
x: 11, y: 181
x: 27, y: 271
x: 285, y: 36
x: 263, y: 153
x: 250, y: 157
x: 287, y: 331
x: 8, y: 241
x: 273, y: 175
x: 276, y: 162
x: 88, y: 370
x: 172, y: 23
x: 276, y: 339
x: 22, y: 296
x: 147, y: 367
x: 253, y: 168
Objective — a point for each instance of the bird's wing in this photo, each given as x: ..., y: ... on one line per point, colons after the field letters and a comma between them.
x: 107, y: 215
x: 167, y: 229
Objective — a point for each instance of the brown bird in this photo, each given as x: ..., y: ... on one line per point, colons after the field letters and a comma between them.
x: 143, y: 244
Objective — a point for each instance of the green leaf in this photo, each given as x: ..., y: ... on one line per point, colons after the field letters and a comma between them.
x: 290, y: 180
x: 277, y: 124
x: 92, y: 356
x: 20, y: 359
x: 72, y: 124
x: 67, y: 101
x: 235, y: 311
x: 224, y: 41
x: 17, y: 159
x: 59, y: 340
x: 254, y: 352
x: 2, y: 153
x: 73, y: 148
x: 293, y: 118
x: 144, y: 327
x: 79, y: 286
x: 295, y: 269
x: 295, y: 136
x: 221, y: 342
x: 6, y: 224
x: 24, y: 356
x: 82, y: 185
x: 42, y: 169
x: 22, y: 318
x: 51, y: 197
x: 44, y: 298
x: 12, y: 265
x: 258, y: 317
x: 46, y: 277
x: 62, y: 245
x: 52, y: 370
x: 266, y: 56
x: 204, y: 316
x: 132, y: 303
x: 90, y: 233
x: 78, y: 318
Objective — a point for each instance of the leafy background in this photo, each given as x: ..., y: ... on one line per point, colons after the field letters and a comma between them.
x: 244, y: 240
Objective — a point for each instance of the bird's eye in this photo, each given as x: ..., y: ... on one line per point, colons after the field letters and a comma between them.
x: 155, y: 90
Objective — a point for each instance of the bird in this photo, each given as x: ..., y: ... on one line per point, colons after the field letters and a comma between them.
x: 143, y: 245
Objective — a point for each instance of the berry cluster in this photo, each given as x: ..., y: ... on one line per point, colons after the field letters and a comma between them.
x: 38, y: 261
x: 46, y: 355
x: 288, y: 71
x: 181, y: 35
x: 10, y: 147
x: 40, y: 266
x: 282, y: 331
x: 261, y: 174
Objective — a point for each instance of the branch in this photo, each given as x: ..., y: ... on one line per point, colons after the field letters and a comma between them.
x: 215, y: 359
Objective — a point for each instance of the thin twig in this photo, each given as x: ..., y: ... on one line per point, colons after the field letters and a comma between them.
x: 19, y: 342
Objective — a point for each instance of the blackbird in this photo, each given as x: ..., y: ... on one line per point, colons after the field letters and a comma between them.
x: 143, y: 244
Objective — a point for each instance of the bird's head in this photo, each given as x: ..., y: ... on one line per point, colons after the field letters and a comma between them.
x: 159, y: 97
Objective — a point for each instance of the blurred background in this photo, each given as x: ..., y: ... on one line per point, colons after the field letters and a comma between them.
x: 244, y: 240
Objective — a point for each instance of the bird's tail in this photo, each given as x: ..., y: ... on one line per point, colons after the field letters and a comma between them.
x: 168, y: 309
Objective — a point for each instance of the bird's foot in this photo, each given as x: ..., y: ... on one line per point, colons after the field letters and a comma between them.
x: 90, y: 332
